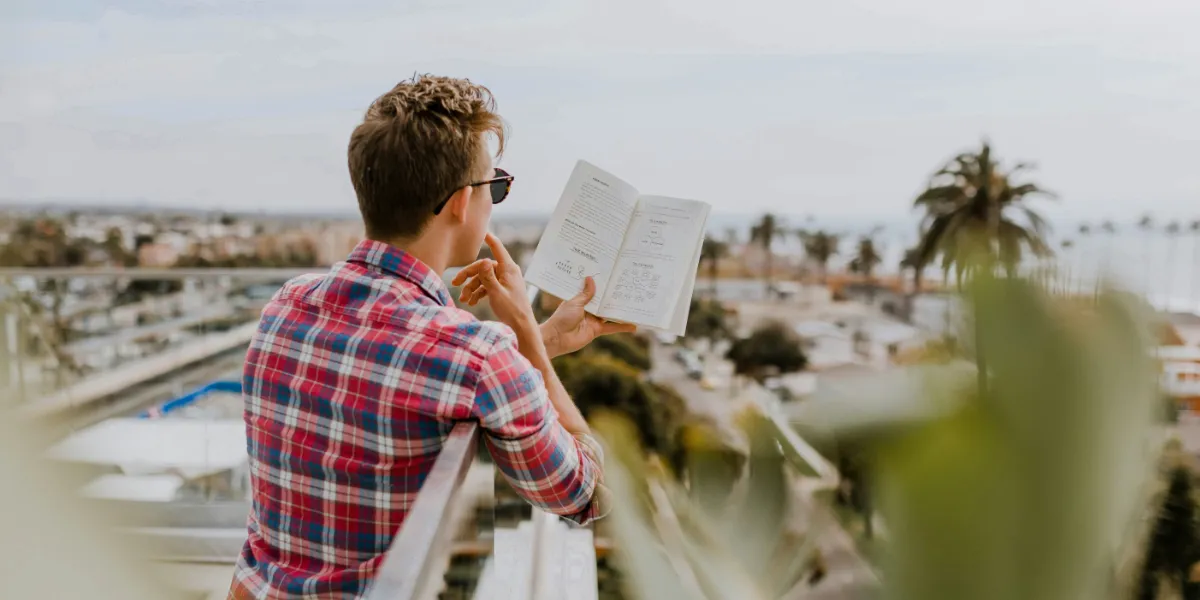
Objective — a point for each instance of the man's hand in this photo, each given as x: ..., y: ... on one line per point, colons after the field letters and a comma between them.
x: 501, y: 282
x: 570, y: 328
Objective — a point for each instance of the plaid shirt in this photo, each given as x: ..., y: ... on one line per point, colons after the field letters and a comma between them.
x: 352, y: 384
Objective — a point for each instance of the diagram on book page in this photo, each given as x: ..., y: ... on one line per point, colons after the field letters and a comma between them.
x: 653, y: 240
x: 637, y: 283
x: 573, y: 270
x: 655, y: 260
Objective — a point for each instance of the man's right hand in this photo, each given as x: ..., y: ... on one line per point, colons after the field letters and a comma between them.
x: 500, y: 280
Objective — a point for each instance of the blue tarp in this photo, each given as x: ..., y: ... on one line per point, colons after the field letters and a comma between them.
x: 233, y: 387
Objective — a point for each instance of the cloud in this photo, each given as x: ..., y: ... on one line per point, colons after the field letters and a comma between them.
x: 838, y: 107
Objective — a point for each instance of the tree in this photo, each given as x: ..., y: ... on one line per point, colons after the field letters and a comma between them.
x: 599, y: 382
x: 912, y: 261
x: 711, y: 253
x: 971, y: 208
x: 969, y: 221
x: 608, y: 375
x: 771, y: 347
x: 855, y: 491
x: 764, y: 233
x: 625, y: 347
x: 1146, y: 224
x: 1174, y: 545
x: 1195, y: 229
x: 1107, y: 229
x: 707, y: 319
x: 820, y: 247
x: 114, y: 246
x: 1173, y: 229
x: 866, y: 258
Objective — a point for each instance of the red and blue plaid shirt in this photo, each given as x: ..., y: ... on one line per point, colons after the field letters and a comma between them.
x: 352, y: 383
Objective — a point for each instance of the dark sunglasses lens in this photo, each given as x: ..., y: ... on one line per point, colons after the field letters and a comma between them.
x: 500, y: 190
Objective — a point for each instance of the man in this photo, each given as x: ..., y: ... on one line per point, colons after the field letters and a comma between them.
x: 354, y: 378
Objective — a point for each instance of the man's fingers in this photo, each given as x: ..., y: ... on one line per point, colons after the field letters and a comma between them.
x: 472, y: 270
x: 477, y: 295
x: 488, y: 277
x: 499, y: 252
x: 469, y: 289
x: 609, y: 327
x: 589, y: 290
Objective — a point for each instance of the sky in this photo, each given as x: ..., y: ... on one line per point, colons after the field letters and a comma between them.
x: 833, y: 109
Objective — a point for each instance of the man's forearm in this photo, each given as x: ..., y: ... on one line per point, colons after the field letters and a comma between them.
x: 533, y: 348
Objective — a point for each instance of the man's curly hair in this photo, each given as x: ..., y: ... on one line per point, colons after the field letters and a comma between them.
x: 417, y: 144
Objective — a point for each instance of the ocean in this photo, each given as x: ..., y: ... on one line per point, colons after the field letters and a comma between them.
x: 1163, y: 269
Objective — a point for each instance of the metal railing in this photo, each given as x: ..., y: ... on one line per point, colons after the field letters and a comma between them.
x: 213, y: 532
x: 410, y: 566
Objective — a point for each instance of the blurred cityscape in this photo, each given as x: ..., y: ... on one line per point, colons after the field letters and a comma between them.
x: 123, y: 333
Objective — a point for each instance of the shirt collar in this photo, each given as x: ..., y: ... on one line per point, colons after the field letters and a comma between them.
x: 394, y: 261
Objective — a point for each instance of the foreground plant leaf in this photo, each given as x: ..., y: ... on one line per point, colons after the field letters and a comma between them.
x: 1029, y: 490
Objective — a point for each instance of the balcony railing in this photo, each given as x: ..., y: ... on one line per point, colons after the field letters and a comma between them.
x: 410, y: 569
x: 533, y: 558
x: 547, y: 567
x: 543, y: 559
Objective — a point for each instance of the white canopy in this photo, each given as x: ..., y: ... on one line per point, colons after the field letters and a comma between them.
x: 190, y: 448
x: 146, y: 488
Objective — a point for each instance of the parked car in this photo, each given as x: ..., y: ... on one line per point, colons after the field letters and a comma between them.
x: 685, y: 357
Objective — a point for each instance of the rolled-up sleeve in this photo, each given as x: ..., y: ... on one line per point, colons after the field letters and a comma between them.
x: 547, y: 465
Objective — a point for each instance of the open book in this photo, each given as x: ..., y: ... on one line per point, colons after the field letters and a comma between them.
x: 643, y: 251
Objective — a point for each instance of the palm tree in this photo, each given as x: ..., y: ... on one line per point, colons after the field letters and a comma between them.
x: 732, y: 243
x: 912, y: 260
x: 969, y: 208
x: 969, y: 205
x: 1146, y: 224
x: 1085, y: 233
x: 866, y: 258
x: 1067, y: 277
x: 711, y: 252
x: 1195, y: 229
x: 764, y: 233
x: 1109, y: 229
x: 1172, y: 230
x: 820, y: 247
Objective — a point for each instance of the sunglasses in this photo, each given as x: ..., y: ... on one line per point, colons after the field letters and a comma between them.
x: 500, y: 184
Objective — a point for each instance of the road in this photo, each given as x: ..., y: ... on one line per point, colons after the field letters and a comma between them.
x: 717, y: 403
x: 849, y: 576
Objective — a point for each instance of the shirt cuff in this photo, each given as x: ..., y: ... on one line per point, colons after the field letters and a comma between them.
x: 601, y: 502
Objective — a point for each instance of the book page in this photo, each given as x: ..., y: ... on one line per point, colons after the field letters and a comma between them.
x: 584, y: 234
x: 656, y: 262
x: 684, y: 305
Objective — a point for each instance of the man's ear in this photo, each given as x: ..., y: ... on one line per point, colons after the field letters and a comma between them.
x: 459, y: 203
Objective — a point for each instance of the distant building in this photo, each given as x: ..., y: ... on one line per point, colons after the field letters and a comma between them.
x: 157, y: 255
x: 825, y: 344
x: 1183, y: 329
x: 1179, y: 377
x: 336, y: 241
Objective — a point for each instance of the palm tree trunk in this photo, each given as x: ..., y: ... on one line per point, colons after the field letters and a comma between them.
x: 910, y: 302
x: 1146, y: 264
x: 1195, y: 271
x: 980, y: 360
x: 767, y: 275
x: 712, y: 278
x: 1169, y: 284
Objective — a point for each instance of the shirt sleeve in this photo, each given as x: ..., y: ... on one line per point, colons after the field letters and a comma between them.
x: 545, y: 464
